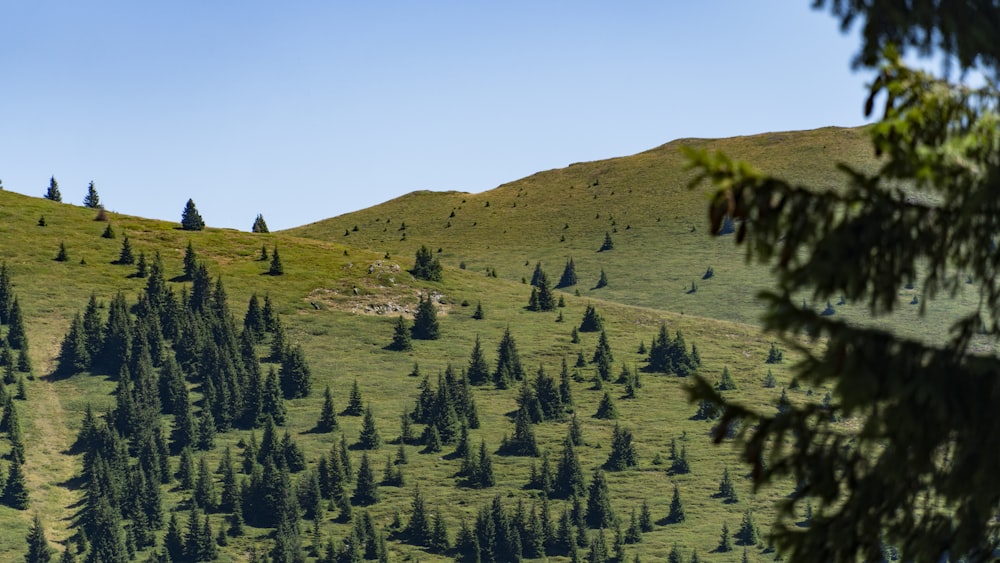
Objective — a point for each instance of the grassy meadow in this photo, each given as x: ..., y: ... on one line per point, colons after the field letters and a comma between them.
x: 343, y: 288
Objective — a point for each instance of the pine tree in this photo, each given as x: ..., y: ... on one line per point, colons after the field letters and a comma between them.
x: 623, y: 454
x: 608, y: 244
x: 38, y: 546
x: 276, y: 268
x: 295, y: 375
x: 725, y: 544
x: 204, y: 494
x: 479, y: 314
x: 400, y: 336
x: 107, y: 543
x: 6, y: 294
x: 418, y: 529
x: 73, y: 356
x: 91, y: 200
x: 645, y: 517
x: 366, y: 489
x: 479, y: 370
x: 52, y: 193
x: 62, y: 255
x: 599, y: 511
x: 726, y: 382
x: 523, y: 441
x: 369, y: 438
x: 190, y: 218
x: 727, y: 490
x: 190, y: 262
x: 508, y: 368
x: 680, y: 464
x: 676, y: 515
x: 425, y: 266
x: 592, y: 322
x: 185, y: 469
x: 125, y: 256
x: 748, y: 534
x: 272, y: 400
x: 602, y: 281
x: 141, y: 267
x: 355, y: 403
x: 327, y: 417
x: 769, y: 380
x: 606, y: 409
x: 568, y: 277
x: 569, y: 475
x: 774, y: 355
x: 483, y: 475
x: 425, y: 323
x: 259, y: 225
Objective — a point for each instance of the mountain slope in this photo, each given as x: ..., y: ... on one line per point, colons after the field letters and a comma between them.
x: 642, y: 201
x: 338, y: 303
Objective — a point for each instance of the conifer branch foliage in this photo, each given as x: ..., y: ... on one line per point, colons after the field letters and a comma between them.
x: 914, y: 474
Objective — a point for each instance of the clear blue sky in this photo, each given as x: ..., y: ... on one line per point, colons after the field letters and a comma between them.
x: 304, y: 110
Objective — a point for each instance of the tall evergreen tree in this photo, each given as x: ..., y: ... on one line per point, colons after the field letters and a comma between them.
x: 369, y: 438
x: 52, y: 193
x: 727, y: 490
x: 418, y: 530
x: 125, y: 256
x: 190, y: 218
x: 426, y: 266
x: 327, y: 417
x: 425, y: 323
x: 91, y: 200
x: 725, y: 543
x: 276, y: 268
x: 748, y: 534
x: 366, y: 488
x: 676, y: 514
x: 355, y: 402
x: 599, y: 511
x: 592, y: 321
x: 623, y: 454
x: 568, y: 278
x: 479, y: 370
x: 295, y: 375
x: 38, y: 546
x: 259, y: 225
x: 523, y: 441
x: 569, y: 475
x: 606, y: 409
x: 400, y: 336
x: 508, y: 367
x: 6, y: 294
x: 608, y: 244
x: 73, y: 356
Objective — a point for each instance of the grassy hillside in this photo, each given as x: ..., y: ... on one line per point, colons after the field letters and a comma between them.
x: 329, y: 299
x: 347, y: 279
x: 658, y: 225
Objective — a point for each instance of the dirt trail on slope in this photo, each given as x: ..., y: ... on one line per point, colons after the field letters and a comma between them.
x: 48, y: 467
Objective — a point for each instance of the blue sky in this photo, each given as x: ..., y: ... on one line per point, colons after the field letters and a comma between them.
x: 304, y: 110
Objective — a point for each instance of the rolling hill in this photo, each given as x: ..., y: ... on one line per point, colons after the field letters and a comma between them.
x: 346, y: 281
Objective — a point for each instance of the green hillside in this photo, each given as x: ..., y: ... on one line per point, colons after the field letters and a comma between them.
x: 328, y: 301
x: 341, y: 294
x: 656, y: 223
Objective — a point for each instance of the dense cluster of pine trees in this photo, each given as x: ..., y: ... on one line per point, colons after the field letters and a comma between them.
x: 15, y: 364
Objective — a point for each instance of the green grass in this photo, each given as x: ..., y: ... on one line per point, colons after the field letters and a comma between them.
x: 335, y: 286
